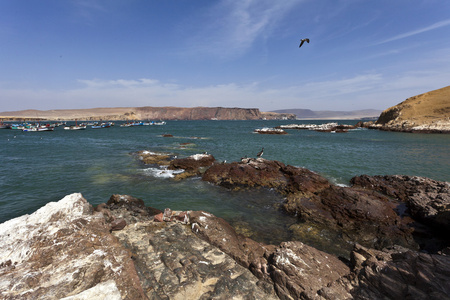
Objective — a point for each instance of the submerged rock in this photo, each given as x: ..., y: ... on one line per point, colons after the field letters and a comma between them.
x: 180, y: 168
x: 192, y: 165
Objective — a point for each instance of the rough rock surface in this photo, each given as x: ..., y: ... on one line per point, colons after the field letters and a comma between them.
x: 427, y: 200
x: 399, y: 274
x: 62, y: 250
x: 173, y: 263
x: 300, y: 271
x: 65, y: 250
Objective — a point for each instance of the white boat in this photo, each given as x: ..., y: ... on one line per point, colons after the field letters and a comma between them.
x: 39, y: 129
x: 74, y: 127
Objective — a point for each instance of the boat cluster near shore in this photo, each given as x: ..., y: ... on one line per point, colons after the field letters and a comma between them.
x: 35, y: 127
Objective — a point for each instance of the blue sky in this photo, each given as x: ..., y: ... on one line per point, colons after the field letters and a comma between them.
x: 363, y: 54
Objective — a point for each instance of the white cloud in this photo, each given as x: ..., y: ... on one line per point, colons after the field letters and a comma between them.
x: 358, y: 92
x: 415, y: 32
x: 234, y: 26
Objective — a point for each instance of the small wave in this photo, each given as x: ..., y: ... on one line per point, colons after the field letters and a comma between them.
x: 161, y: 172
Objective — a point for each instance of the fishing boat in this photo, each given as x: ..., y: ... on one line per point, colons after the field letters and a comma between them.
x: 75, y: 127
x: 102, y: 125
x: 126, y: 125
x: 34, y: 129
x: 4, y: 126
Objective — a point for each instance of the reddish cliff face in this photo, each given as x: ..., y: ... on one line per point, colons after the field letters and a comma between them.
x: 197, y: 113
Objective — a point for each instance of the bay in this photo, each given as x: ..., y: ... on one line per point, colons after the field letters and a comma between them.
x: 39, y: 167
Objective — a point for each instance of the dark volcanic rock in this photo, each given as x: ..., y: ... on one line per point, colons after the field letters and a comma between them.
x: 126, y: 207
x: 265, y: 173
x: 427, y: 200
x: 357, y: 215
x: 192, y: 163
x: 369, y: 212
x: 399, y: 274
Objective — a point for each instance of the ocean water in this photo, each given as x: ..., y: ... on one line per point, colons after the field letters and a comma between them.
x: 39, y: 167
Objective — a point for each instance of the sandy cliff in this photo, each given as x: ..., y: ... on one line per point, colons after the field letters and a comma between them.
x: 428, y: 112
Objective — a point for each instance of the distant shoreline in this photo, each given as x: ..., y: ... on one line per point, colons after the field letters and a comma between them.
x: 174, y: 113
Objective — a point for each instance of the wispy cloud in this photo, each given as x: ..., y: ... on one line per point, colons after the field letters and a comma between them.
x: 357, y: 92
x: 415, y: 32
x: 234, y: 26
x: 86, y: 10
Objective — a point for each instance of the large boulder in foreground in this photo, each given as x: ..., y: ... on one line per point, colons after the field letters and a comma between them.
x: 66, y: 250
x: 62, y: 250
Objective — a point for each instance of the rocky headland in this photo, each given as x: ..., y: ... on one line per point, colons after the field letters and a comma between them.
x: 146, y: 113
x: 396, y: 230
x: 425, y: 113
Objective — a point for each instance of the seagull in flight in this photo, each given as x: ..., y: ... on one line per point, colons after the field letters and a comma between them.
x: 302, y: 41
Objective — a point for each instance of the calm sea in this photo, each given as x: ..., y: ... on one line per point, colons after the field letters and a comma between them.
x: 39, y: 167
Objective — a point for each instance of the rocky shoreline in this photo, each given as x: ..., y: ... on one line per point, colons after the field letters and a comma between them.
x: 396, y: 228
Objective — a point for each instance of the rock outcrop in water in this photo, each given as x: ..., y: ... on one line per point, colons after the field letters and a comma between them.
x: 376, y: 211
x: 68, y: 250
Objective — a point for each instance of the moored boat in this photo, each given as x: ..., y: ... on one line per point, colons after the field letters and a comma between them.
x: 74, y: 127
x: 39, y: 129
x: 4, y: 126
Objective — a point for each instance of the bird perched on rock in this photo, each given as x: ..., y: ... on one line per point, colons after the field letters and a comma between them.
x: 260, y: 153
x: 302, y: 41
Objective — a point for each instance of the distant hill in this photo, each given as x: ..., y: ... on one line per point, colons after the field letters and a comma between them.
x: 328, y: 115
x: 425, y: 112
x: 146, y: 113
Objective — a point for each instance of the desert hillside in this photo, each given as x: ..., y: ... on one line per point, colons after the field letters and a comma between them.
x: 425, y: 112
x: 145, y: 113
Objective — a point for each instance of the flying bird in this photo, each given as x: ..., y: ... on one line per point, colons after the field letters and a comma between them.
x: 260, y: 153
x: 302, y: 41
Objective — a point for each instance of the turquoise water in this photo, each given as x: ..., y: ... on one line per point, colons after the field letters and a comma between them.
x: 39, y: 167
